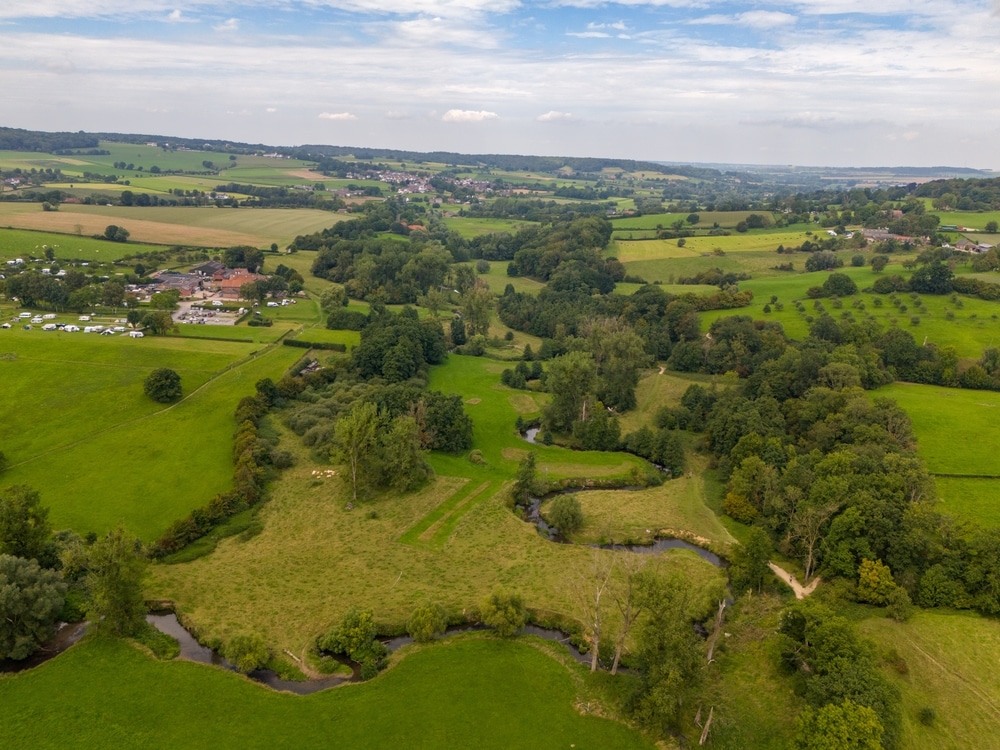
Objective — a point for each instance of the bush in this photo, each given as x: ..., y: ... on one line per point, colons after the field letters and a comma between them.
x: 427, y: 622
x: 162, y: 385
x: 504, y: 611
x: 926, y: 716
x: 354, y: 637
x: 565, y: 514
x: 247, y: 652
x: 899, y: 605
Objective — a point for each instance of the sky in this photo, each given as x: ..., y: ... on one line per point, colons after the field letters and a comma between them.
x: 807, y: 82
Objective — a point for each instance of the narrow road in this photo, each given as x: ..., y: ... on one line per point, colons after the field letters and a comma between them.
x: 801, y: 592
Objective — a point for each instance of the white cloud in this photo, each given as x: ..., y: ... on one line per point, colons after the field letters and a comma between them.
x: 230, y: 24
x: 154, y: 8
x: 766, y: 19
x: 337, y: 116
x: 468, y: 115
x: 757, y: 19
x: 436, y: 31
x: 271, y: 110
x: 617, y: 26
x: 589, y: 34
x: 554, y: 116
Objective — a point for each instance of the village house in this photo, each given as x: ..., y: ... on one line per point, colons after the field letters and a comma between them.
x: 229, y: 280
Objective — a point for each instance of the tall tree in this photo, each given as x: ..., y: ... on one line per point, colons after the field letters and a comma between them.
x: 619, y: 353
x: 24, y: 523
x: 667, y: 654
x: 477, y: 308
x: 116, y: 568
x: 356, y: 441
x: 571, y: 380
x: 30, y: 599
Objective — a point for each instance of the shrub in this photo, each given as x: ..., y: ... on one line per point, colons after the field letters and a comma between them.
x: 565, y: 514
x: 427, y: 622
x: 504, y: 611
x: 247, y: 652
x: 899, y: 605
x: 354, y: 637
x: 926, y: 716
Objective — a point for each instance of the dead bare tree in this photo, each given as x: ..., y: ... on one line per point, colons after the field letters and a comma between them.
x: 708, y: 725
x: 806, y: 529
x: 592, y: 585
x: 624, y: 593
x: 716, y: 630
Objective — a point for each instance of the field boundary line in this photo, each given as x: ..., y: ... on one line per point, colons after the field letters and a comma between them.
x: 975, y: 691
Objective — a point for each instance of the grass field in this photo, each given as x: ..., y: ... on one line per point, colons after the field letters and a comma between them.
x: 970, y: 327
x: 755, y: 706
x: 450, y: 542
x: 498, y: 280
x: 977, y: 499
x: 656, y: 390
x: 707, y: 219
x: 760, y: 240
x: 469, y: 227
x: 315, y: 559
x: 77, y: 427
x: 675, y: 507
x: 956, y: 429
x: 21, y: 243
x: 951, y: 660
x: 463, y: 692
x: 205, y: 227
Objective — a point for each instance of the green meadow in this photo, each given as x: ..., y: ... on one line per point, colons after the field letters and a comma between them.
x: 77, y: 427
x: 956, y: 433
x: 969, y: 325
x: 464, y: 692
x: 706, y: 220
x: 450, y: 542
x: 472, y: 227
x: 955, y: 427
x: 949, y: 660
x: 21, y: 243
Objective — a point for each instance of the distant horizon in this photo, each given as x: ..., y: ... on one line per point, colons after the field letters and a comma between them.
x: 720, y: 165
x: 840, y: 83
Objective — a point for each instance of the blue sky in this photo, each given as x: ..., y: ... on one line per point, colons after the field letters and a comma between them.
x: 828, y: 82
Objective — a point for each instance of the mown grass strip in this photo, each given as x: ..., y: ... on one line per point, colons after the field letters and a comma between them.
x: 412, y: 535
x: 439, y: 533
